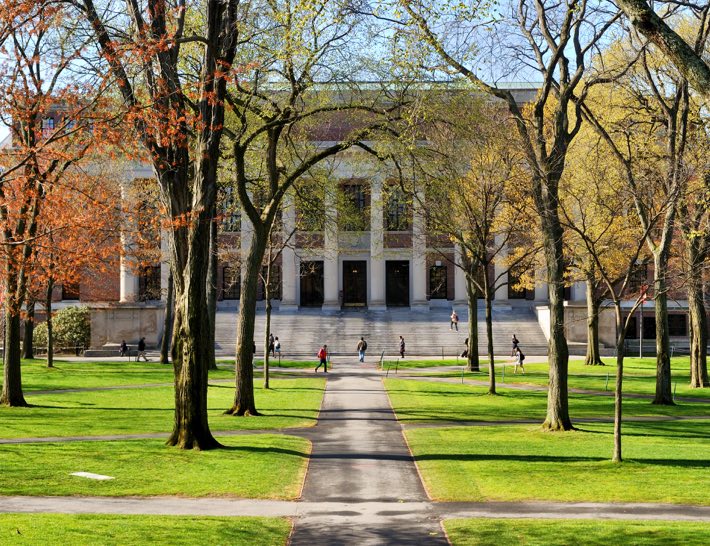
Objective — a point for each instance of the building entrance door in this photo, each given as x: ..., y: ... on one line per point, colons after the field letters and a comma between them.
x: 397, y: 283
x: 354, y: 283
x: 311, y: 283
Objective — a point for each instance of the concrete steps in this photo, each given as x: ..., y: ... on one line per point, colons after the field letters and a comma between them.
x: 426, y: 333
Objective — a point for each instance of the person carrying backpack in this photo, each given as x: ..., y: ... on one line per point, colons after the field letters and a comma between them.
x: 323, y: 358
x: 519, y: 358
x: 361, y: 348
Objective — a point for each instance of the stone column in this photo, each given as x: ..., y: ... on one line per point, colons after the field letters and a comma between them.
x: 245, y: 238
x: 419, y: 254
x: 289, y: 264
x: 127, y: 272
x: 542, y: 292
x: 331, y: 300
x: 460, y: 297
x: 377, y: 234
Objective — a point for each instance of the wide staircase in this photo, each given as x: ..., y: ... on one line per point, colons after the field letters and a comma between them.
x: 426, y: 333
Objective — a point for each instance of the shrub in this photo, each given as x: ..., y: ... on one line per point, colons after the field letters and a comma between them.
x: 71, y: 328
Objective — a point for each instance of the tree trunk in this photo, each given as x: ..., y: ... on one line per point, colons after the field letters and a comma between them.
x: 266, y: 340
x: 28, y: 350
x: 267, y: 328
x: 50, y: 329
x: 212, y: 297
x: 593, y: 357
x: 664, y: 395
x: 166, y: 342
x: 12, y: 378
x: 698, y: 330
x: 244, y: 403
x: 190, y: 248
x: 473, y: 363
x: 558, y: 356
x: 618, y: 389
x: 489, y: 335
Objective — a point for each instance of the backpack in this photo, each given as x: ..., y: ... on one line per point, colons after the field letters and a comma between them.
x: 321, y: 353
x: 364, y: 345
x: 522, y: 357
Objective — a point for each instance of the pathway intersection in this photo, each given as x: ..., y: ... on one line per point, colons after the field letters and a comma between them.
x: 362, y: 486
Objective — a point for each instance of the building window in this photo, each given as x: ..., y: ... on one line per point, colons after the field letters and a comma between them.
x: 231, y: 283
x: 639, y: 278
x: 71, y: 291
x: 355, y: 208
x: 438, y: 282
x: 397, y: 217
x: 47, y: 127
x: 677, y: 325
x: 230, y: 211
x: 149, y: 284
x: 274, y: 283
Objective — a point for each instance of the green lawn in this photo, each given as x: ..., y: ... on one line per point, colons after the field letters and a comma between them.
x: 79, y: 375
x: 470, y: 532
x: 664, y: 462
x: 254, y: 466
x: 93, y: 530
x: 289, y: 403
x: 429, y: 401
x: 639, y: 376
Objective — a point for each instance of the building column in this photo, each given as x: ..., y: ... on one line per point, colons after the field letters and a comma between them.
x: 499, y: 272
x: 460, y: 296
x: 129, y: 287
x: 377, y: 234
x: 289, y: 265
x: 419, y: 254
x: 331, y: 299
x: 542, y: 292
x: 245, y: 238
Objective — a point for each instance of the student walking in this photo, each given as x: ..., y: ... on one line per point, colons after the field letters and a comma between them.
x: 454, y: 321
x: 519, y: 358
x: 323, y: 359
x: 515, y: 343
x: 401, y: 346
x: 124, y: 348
x: 277, y: 346
x: 361, y: 348
x: 141, y: 350
x: 272, y: 345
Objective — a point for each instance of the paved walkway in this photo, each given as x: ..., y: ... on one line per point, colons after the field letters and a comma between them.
x: 362, y: 486
x: 360, y: 456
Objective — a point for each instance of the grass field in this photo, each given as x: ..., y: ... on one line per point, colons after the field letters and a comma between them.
x: 664, y: 462
x: 255, y: 466
x: 79, y: 530
x: 289, y: 403
x: 473, y: 532
x: 429, y: 401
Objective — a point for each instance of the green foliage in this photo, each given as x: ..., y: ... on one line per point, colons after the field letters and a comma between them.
x: 71, y: 327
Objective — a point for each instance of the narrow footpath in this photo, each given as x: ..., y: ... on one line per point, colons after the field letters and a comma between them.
x: 360, y: 457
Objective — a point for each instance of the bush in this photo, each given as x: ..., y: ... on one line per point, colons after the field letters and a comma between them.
x: 71, y: 328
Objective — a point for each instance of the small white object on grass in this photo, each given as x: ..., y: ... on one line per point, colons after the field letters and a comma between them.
x: 92, y: 476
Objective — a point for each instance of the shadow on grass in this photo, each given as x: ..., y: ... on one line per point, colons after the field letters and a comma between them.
x: 279, y: 450
x: 688, y: 463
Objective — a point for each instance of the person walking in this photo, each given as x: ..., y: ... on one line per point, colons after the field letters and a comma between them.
x: 323, y: 358
x: 361, y: 348
x: 454, y: 320
x: 464, y: 354
x: 515, y: 343
x: 141, y: 350
x: 124, y: 348
x: 401, y: 346
x: 277, y: 346
x: 519, y: 358
x: 272, y: 345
